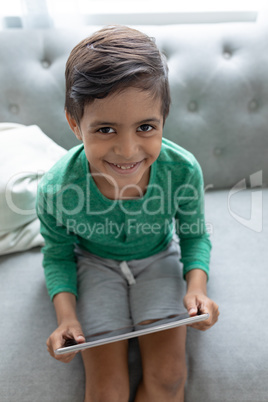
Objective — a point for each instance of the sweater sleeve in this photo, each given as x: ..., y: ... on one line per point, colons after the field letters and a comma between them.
x: 59, y: 259
x: 190, y: 223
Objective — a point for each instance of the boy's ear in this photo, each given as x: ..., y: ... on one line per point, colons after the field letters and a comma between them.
x: 73, y: 126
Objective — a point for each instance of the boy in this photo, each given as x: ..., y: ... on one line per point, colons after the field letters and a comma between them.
x: 107, y: 212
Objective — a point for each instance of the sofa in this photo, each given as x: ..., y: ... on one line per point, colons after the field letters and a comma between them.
x: 219, y: 112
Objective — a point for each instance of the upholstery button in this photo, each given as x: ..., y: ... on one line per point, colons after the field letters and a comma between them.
x: 14, y: 109
x: 227, y: 55
x: 253, y: 105
x: 192, y: 106
x: 45, y: 63
x: 217, y: 151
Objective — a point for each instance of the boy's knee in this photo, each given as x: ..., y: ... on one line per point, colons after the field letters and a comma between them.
x: 108, y: 397
x: 173, y: 383
x: 170, y: 379
x: 108, y: 391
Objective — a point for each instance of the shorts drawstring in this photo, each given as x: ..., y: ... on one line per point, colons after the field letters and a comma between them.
x: 127, y: 273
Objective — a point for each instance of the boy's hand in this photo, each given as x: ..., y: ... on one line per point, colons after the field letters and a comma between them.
x: 195, y: 303
x: 196, y: 300
x: 66, y: 330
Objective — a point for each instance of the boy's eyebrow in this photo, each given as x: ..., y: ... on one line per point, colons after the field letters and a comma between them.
x: 96, y: 123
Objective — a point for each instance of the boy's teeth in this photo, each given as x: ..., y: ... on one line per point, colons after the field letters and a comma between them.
x: 124, y: 167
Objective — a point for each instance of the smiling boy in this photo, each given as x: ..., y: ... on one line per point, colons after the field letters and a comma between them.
x: 114, y: 154
x: 124, y: 176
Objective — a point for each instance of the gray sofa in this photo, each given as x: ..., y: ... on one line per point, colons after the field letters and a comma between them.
x: 219, y: 85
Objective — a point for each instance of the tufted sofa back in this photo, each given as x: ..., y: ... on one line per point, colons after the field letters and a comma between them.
x: 218, y: 79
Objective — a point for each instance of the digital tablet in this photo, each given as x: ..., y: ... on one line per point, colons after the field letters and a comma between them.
x: 130, y: 332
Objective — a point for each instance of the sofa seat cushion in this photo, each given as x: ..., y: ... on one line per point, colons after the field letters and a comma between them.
x: 227, y: 363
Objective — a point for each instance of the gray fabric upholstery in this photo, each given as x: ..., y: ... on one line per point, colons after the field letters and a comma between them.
x: 219, y: 84
x: 28, y: 373
x: 227, y: 363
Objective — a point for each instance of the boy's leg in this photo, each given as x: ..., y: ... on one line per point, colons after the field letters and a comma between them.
x: 103, y: 306
x: 106, y: 370
x: 158, y: 293
x: 164, y: 366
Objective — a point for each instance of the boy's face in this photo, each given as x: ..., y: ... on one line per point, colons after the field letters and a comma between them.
x: 122, y: 136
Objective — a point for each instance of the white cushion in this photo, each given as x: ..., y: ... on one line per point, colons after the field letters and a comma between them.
x: 26, y: 154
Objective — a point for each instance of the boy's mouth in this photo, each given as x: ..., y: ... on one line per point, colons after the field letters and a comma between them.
x: 125, y: 167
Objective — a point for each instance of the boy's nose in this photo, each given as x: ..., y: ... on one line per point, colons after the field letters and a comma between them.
x: 126, y: 147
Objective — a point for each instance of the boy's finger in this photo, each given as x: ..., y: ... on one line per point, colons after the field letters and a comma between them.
x: 78, y: 335
x: 80, y: 339
x: 191, y: 306
x: 192, y: 311
x: 203, y: 309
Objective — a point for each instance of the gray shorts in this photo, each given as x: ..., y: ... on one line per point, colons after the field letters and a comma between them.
x: 114, y: 294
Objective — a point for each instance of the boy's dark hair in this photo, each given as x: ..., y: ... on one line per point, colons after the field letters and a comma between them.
x: 112, y: 59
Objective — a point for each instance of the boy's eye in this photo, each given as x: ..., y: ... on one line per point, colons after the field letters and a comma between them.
x: 106, y: 130
x: 145, y: 127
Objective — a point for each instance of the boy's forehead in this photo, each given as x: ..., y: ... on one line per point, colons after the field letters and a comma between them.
x: 131, y: 101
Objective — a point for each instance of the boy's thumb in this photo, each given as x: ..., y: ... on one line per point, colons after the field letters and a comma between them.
x: 192, y: 311
x: 191, y: 307
x: 80, y: 339
x: 79, y: 336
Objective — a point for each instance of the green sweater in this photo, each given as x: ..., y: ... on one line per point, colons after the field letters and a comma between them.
x: 72, y: 211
